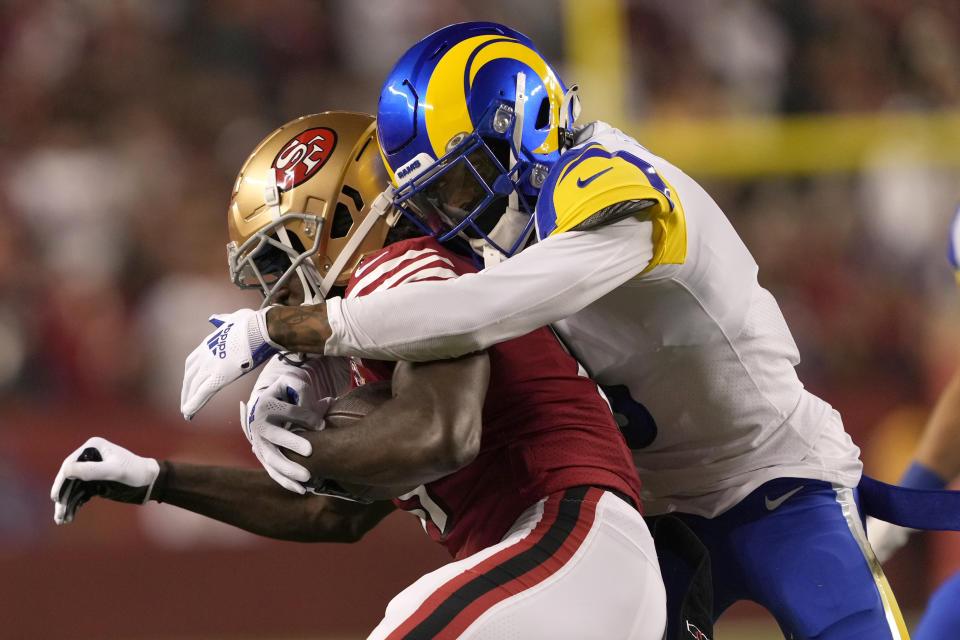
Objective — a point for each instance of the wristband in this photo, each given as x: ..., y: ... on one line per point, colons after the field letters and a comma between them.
x: 918, y: 476
x: 160, y: 484
x: 264, y: 336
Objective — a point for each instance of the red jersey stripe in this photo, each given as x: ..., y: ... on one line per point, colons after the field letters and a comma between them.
x: 394, y: 269
x: 459, y: 602
x: 535, y: 576
x: 550, y: 510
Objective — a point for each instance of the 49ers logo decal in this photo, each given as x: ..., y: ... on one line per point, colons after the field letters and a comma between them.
x: 303, y: 156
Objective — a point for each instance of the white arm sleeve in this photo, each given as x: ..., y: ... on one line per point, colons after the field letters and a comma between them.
x: 329, y: 376
x: 432, y: 320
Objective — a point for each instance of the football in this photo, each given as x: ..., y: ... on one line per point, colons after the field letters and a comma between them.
x: 345, y: 412
x: 356, y: 403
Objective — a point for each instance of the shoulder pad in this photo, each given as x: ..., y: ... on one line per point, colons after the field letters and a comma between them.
x: 590, y: 179
x: 591, y: 186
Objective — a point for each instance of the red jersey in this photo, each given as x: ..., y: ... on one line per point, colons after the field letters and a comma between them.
x: 545, y: 426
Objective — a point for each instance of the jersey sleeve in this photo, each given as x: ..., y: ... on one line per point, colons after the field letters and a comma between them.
x: 416, y: 260
x: 592, y: 186
x: 431, y: 320
x: 413, y: 263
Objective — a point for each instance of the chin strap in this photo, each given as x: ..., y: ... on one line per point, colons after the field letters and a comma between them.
x: 519, y: 105
x: 382, y: 206
x: 512, y: 223
x: 569, y: 112
x: 507, y: 232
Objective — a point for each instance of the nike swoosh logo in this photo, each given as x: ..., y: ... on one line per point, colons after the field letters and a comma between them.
x: 773, y: 504
x: 582, y: 183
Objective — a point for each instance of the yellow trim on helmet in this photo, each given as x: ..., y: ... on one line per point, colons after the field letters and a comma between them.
x: 446, y: 88
x: 517, y: 51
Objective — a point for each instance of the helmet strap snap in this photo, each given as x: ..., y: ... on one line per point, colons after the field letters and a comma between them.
x: 569, y: 112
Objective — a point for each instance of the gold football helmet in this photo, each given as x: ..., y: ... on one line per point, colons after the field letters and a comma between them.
x: 303, y: 205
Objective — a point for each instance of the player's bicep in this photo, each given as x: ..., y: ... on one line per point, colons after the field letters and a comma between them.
x: 447, y: 386
x: 449, y: 396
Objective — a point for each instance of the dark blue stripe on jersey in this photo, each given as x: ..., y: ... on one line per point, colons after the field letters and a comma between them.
x: 648, y: 170
x: 567, y: 516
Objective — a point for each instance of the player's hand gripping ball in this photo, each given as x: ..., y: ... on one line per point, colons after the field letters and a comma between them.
x: 345, y: 412
x: 286, y: 401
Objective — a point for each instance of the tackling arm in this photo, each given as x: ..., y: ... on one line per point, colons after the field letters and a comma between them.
x: 429, y: 428
x: 430, y: 320
x: 545, y: 283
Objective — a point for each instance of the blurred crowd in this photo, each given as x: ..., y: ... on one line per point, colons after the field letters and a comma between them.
x: 123, y: 123
x: 857, y: 260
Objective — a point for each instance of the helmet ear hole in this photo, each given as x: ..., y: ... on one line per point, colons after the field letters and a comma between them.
x: 543, y: 115
x: 354, y: 195
x: 342, y: 221
x: 294, y: 241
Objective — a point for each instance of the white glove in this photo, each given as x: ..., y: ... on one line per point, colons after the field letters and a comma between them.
x: 886, y: 538
x: 287, y: 398
x: 101, y: 468
x: 238, y: 346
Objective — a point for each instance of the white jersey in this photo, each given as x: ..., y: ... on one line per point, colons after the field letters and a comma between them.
x: 665, y: 303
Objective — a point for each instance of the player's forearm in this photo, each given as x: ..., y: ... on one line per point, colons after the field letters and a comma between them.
x: 938, y: 450
x: 423, y: 321
x: 429, y: 429
x: 250, y: 500
x: 302, y: 329
x: 402, y: 457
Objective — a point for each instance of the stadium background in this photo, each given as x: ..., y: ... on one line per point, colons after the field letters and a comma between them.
x: 828, y: 131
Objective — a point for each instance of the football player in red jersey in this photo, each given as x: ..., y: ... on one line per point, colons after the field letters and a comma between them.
x: 510, y: 457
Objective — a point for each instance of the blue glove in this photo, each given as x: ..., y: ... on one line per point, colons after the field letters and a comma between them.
x: 918, y: 476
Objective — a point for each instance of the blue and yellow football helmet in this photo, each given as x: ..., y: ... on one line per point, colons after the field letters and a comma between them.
x: 470, y: 120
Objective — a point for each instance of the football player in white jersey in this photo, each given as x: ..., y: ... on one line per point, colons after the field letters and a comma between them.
x: 647, y: 283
